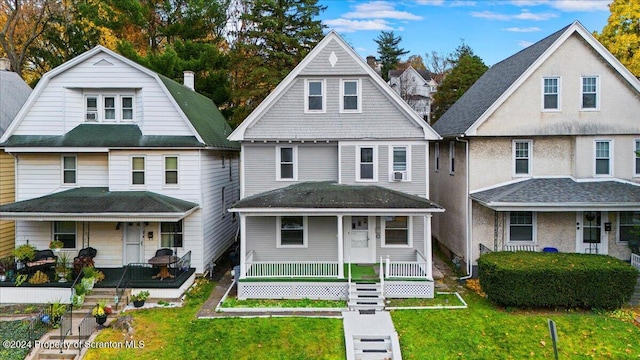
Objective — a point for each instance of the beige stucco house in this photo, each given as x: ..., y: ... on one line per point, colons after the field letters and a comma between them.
x: 540, y: 153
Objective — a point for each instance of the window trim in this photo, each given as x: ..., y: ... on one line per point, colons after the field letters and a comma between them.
x: 164, y: 169
x: 436, y: 157
x: 619, y: 223
x: 358, y: 95
x: 407, y: 177
x: 63, y: 169
x: 534, y: 230
x: 636, y: 158
x: 323, y: 94
x: 172, y: 233
x: 144, y: 170
x: 529, y: 156
x: 597, y: 93
x: 452, y: 157
x: 53, y: 233
x: 375, y: 163
x: 559, y: 108
x: 383, y: 228
x: 100, y: 110
x: 595, y: 158
x: 305, y: 233
x: 278, y: 162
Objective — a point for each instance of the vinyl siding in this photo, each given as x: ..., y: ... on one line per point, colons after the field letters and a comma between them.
x: 403, y: 254
x: 322, y: 242
x: 316, y: 162
x: 344, y: 65
x: 7, y: 195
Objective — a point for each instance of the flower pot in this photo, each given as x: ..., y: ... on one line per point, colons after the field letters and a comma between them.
x: 88, y: 283
x: 62, y: 277
x: 78, y: 300
x: 138, y: 303
x: 3, y: 277
x: 101, y: 319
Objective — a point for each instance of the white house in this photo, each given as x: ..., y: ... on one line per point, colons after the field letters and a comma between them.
x: 416, y: 87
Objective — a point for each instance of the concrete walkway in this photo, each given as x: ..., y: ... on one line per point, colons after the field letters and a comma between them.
x: 370, y: 336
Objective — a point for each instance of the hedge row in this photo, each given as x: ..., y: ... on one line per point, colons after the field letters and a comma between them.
x: 551, y: 280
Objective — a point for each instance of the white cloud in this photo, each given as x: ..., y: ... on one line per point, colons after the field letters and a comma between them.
x: 490, y: 15
x: 431, y: 2
x: 379, y: 10
x: 524, y: 15
x: 524, y: 43
x: 347, y: 26
x: 567, y: 5
x: 450, y: 3
x: 523, y: 30
x: 527, y: 15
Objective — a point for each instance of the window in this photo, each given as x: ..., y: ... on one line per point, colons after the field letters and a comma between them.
x: 452, y: 157
x: 589, y: 92
x: 628, y: 223
x: 603, y: 157
x: 65, y: 231
x: 636, y: 160
x: 108, y: 107
x: 137, y: 170
x: 286, y: 157
x: 400, y: 168
x: 170, y: 170
x: 437, y: 156
x: 315, y: 96
x: 366, y: 160
x: 69, y: 169
x: 521, y: 226
x: 396, y: 231
x: 292, y: 231
x: 551, y: 99
x: 522, y: 157
x: 171, y: 234
x: 350, y: 96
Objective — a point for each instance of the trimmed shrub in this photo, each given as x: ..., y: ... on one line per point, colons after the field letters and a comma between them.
x: 550, y: 280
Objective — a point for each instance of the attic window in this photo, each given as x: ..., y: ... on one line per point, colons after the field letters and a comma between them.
x: 108, y: 107
x: 551, y: 93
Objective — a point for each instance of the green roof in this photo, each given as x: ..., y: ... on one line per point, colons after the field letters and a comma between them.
x: 203, y: 115
x: 330, y: 195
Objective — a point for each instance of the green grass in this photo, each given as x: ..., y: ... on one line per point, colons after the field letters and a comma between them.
x: 438, y: 300
x: 283, y: 303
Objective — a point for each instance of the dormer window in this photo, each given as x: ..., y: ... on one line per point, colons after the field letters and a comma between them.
x: 108, y: 108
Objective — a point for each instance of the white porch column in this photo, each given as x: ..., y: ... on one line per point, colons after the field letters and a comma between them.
x: 243, y: 246
x: 340, y: 248
x: 428, y: 253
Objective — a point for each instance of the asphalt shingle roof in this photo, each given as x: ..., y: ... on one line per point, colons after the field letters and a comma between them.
x: 561, y: 191
x: 329, y: 195
x: 99, y: 200
x: 489, y: 87
x: 13, y: 93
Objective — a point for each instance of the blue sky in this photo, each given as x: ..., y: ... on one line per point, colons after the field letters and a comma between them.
x: 494, y: 29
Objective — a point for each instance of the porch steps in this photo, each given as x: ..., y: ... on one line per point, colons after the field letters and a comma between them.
x: 635, y: 297
x: 365, y: 296
x: 372, y: 347
x: 370, y: 336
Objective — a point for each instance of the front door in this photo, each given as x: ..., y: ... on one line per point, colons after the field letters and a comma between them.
x: 132, y: 242
x: 590, y: 235
x: 359, y: 240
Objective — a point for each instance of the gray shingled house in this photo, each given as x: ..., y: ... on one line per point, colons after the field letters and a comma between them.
x: 540, y: 153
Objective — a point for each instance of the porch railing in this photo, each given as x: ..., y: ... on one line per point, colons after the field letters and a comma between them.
x: 65, y: 325
x: 635, y: 261
x: 85, y: 329
x: 407, y: 269
x: 143, y: 272
x: 292, y: 269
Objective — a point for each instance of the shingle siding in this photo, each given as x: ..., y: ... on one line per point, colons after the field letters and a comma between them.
x: 344, y: 65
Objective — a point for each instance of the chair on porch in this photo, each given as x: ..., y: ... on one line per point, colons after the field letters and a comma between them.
x: 87, y: 252
x: 43, y: 260
x: 84, y: 258
x: 163, y: 252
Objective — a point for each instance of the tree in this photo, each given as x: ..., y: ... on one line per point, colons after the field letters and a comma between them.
x: 389, y: 51
x: 277, y: 35
x: 438, y: 64
x: 467, y: 69
x: 621, y: 35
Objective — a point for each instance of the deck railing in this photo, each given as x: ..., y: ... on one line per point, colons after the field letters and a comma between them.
x: 635, y: 261
x: 292, y: 269
x: 407, y: 269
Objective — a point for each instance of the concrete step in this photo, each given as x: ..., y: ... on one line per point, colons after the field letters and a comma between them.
x: 55, y: 354
x: 357, y: 305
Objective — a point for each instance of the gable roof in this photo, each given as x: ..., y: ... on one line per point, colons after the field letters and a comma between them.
x: 13, y: 93
x: 503, y: 78
x: 424, y: 74
x: 199, y: 112
x: 238, y: 133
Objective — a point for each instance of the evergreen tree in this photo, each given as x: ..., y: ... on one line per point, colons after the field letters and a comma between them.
x: 621, y: 35
x: 467, y: 69
x: 389, y: 51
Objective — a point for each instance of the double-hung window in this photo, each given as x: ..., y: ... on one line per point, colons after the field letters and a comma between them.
x: 171, y: 170
x: 69, y: 169
x: 603, y: 157
x: 589, y: 93
x: 286, y: 162
x: 350, y: 100
x: 315, y: 99
x: 171, y: 234
x: 436, y: 157
x: 397, y: 231
x: 629, y: 221
x: 521, y: 226
x: 366, y: 169
x: 400, y: 163
x: 108, y: 107
x: 65, y: 231
x: 292, y: 231
x: 522, y: 157
x: 91, y: 108
x: 452, y: 157
x: 137, y: 170
x: 636, y: 158
x: 551, y: 93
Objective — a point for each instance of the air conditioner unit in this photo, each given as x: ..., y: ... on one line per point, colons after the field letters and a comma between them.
x: 91, y: 116
x: 398, y: 175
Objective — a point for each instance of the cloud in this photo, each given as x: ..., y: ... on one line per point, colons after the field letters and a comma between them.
x: 450, y: 3
x: 524, y: 43
x: 567, y: 5
x: 379, y: 10
x: 524, y: 15
x: 522, y: 30
x: 347, y: 26
x: 431, y: 2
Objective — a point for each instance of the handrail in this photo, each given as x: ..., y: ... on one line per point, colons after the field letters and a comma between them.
x: 381, y: 277
x: 122, y: 286
x: 85, y: 329
x: 65, y: 325
x: 73, y: 286
x: 635, y: 261
x: 349, y: 261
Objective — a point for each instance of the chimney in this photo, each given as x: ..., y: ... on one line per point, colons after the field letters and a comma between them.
x: 371, y: 61
x: 5, y: 64
x: 189, y: 80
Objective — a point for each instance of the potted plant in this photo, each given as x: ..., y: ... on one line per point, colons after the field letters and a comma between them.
x: 57, y: 310
x: 56, y: 245
x: 89, y: 274
x: 101, y: 311
x: 25, y: 252
x: 79, y: 293
x: 62, y: 266
x: 139, y: 298
x: 6, y: 266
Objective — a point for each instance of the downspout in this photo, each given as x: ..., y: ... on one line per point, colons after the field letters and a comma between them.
x: 469, y: 250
